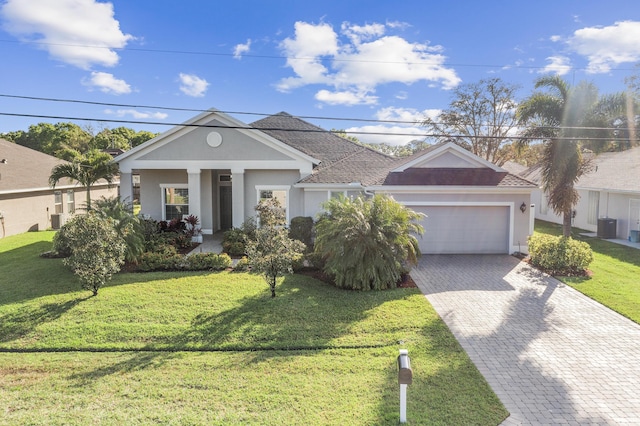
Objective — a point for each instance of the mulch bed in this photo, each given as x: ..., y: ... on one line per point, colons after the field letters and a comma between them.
x: 554, y: 273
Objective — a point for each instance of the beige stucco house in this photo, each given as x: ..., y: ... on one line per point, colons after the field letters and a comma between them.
x: 218, y: 168
x: 27, y: 202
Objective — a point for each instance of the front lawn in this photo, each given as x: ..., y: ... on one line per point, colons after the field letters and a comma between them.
x: 214, y: 348
x: 615, y: 280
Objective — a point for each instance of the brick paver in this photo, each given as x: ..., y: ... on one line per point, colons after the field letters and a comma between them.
x: 552, y: 355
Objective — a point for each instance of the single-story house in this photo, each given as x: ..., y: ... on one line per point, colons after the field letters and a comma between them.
x: 218, y: 168
x: 27, y: 202
x: 609, y: 196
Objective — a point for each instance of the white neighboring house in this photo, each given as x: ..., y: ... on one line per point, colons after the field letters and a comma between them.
x: 218, y: 168
x: 27, y: 202
x: 609, y: 196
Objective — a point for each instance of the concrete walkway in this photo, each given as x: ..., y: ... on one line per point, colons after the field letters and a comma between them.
x: 552, y: 355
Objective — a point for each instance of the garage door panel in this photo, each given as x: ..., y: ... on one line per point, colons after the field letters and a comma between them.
x: 464, y: 229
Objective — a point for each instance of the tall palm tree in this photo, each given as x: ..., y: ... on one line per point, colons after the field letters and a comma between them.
x: 86, y: 169
x: 566, y: 119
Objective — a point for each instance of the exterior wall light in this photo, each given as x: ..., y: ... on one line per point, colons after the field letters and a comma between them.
x: 523, y: 207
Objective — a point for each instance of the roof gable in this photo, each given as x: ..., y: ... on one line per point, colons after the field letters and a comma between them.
x: 213, y: 136
x: 449, y: 156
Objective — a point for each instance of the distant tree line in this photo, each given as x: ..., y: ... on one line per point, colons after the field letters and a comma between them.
x: 68, y: 140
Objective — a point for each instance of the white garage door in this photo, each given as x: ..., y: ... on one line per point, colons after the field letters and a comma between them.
x: 464, y: 229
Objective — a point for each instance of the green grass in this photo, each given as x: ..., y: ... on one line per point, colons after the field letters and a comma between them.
x: 214, y: 348
x: 615, y: 279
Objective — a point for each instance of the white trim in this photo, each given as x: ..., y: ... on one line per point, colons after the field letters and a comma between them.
x: 286, y: 188
x: 510, y: 246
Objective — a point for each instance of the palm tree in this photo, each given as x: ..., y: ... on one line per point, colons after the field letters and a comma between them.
x: 86, y: 169
x: 567, y: 119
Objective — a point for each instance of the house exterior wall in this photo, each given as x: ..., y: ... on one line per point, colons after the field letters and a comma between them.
x: 31, y: 211
x: 150, y: 190
x: 613, y: 205
x: 280, y: 178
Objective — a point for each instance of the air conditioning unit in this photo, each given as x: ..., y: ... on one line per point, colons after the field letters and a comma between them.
x: 57, y: 220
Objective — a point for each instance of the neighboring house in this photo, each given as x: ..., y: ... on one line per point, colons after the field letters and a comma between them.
x: 27, y: 202
x: 609, y: 195
x: 219, y: 168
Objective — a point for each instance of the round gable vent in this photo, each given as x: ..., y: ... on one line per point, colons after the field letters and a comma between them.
x: 214, y: 139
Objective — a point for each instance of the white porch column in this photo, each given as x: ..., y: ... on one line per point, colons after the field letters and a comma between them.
x: 194, y: 193
x: 237, y: 197
x: 126, y: 187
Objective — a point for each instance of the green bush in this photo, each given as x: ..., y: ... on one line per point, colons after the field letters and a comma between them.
x: 97, y: 250
x: 559, y: 255
x: 367, y: 243
x: 242, y: 265
x: 234, y: 241
x: 207, y: 261
x: 160, y: 261
x: 301, y: 229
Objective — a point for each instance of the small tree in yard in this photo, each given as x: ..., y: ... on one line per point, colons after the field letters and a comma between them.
x: 271, y: 252
x: 97, y: 251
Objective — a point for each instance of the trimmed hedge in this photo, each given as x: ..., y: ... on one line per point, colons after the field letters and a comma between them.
x: 559, y: 255
x: 168, y: 261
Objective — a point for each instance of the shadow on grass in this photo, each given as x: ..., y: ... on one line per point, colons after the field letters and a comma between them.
x: 136, y: 361
x: 306, y: 314
x: 18, y: 324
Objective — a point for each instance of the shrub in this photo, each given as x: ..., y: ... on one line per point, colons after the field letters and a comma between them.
x: 242, y: 265
x: 367, y: 243
x: 234, y: 241
x: 97, y: 251
x: 301, y: 229
x: 559, y: 255
x: 61, y: 243
x: 207, y: 261
x: 160, y: 261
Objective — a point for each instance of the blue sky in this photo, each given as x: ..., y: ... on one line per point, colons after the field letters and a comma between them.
x: 366, y: 60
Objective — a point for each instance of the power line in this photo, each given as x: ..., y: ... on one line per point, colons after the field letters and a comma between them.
x: 281, y: 129
x: 306, y: 117
x: 280, y: 57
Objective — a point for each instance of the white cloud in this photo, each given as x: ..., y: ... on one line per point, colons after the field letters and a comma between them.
x: 362, y: 60
x: 348, y: 98
x: 136, y: 114
x: 391, y: 135
x: 555, y: 38
x: 559, y: 65
x: 107, y: 83
x: 410, y: 115
x: 78, y: 32
x: 607, y: 47
x: 241, y: 49
x: 192, y: 85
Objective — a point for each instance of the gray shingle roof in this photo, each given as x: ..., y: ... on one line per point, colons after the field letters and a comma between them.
x: 25, y: 169
x: 343, y: 161
x: 617, y: 171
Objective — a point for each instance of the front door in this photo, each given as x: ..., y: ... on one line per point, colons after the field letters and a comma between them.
x: 226, y: 212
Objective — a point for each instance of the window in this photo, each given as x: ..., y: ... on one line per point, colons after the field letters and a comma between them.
x: 176, y: 201
x: 594, y: 204
x: 337, y: 194
x: 57, y: 201
x: 280, y: 193
x: 71, y: 202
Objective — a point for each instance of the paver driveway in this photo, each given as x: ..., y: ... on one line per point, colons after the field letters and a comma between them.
x: 552, y: 355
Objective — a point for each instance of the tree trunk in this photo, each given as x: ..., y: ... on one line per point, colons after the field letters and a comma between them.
x: 566, y: 223
x: 272, y: 285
